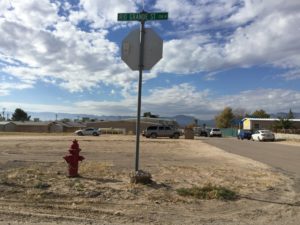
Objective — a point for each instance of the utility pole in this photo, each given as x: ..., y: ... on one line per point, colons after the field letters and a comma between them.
x: 3, y: 113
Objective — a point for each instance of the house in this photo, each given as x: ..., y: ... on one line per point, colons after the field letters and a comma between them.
x: 67, y: 126
x: 7, y: 126
x: 265, y: 123
x: 128, y: 125
x: 29, y: 126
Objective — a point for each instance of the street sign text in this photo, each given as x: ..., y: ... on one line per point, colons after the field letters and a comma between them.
x: 142, y: 16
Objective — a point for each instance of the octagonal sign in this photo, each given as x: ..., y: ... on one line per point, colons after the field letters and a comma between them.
x: 153, y: 49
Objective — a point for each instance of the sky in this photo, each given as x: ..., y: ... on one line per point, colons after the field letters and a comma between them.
x: 64, y: 56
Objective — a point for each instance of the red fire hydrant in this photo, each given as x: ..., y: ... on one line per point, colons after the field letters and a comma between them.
x: 73, y: 158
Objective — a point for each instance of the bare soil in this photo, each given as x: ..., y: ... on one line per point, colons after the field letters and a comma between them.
x: 35, y: 189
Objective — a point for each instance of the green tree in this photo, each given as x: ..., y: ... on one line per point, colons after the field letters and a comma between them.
x: 64, y: 120
x: 283, y: 123
x: 20, y: 115
x: 150, y: 115
x: 290, y: 115
x: 225, y: 118
x: 260, y: 114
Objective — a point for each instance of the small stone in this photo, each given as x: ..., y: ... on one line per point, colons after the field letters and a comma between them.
x: 93, y: 194
x: 117, y: 213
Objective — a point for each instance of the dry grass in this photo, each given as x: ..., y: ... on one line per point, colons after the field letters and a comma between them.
x: 209, y: 191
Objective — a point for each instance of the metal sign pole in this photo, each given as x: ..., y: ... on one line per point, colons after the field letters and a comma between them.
x: 138, y: 117
x: 134, y: 46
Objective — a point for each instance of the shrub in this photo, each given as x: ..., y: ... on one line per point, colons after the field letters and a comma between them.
x: 208, y: 192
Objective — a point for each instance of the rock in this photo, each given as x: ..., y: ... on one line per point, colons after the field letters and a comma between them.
x: 141, y: 177
x: 92, y: 194
x: 117, y: 213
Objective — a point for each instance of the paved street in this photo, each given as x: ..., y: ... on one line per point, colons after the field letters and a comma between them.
x: 283, y: 157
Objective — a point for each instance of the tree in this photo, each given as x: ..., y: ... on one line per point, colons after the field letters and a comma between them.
x: 239, y: 113
x: 20, y: 115
x: 283, y: 123
x: 150, y: 115
x: 290, y: 115
x: 225, y: 118
x: 260, y: 114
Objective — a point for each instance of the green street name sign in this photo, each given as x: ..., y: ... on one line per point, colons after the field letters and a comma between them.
x: 142, y: 16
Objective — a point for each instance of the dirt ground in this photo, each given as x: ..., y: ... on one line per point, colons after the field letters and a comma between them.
x: 34, y: 188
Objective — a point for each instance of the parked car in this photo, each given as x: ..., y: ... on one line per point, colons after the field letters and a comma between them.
x: 88, y: 131
x: 199, y: 131
x: 215, y: 132
x: 162, y: 131
x: 244, y: 134
x: 263, y: 135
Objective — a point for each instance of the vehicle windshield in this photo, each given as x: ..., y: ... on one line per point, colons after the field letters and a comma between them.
x: 265, y: 131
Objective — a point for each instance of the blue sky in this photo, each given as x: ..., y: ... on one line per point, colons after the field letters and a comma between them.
x: 64, y: 57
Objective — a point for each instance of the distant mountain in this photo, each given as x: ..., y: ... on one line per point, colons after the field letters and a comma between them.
x: 184, y: 120
x: 50, y: 116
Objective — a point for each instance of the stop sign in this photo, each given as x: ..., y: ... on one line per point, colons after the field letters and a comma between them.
x: 153, y: 49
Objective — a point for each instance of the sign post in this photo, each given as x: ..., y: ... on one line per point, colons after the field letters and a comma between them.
x: 127, y: 48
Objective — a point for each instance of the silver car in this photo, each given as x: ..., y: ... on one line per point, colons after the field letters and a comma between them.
x: 88, y: 131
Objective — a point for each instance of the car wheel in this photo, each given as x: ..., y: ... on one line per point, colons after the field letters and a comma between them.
x: 153, y: 135
x: 258, y: 138
x: 95, y: 134
x: 176, y: 136
x: 80, y: 134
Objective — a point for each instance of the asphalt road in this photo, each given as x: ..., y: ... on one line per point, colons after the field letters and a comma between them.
x: 283, y: 157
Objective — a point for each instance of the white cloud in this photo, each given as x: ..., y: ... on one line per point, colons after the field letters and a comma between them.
x: 103, y: 13
x: 36, y: 14
x: 7, y: 87
x: 77, y: 60
x: 291, y: 75
x: 198, y: 15
x: 272, y: 100
x: 257, y: 9
x: 271, y: 38
x: 254, y: 33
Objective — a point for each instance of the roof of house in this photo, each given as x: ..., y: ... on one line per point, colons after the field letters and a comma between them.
x: 30, y: 123
x: 5, y: 122
x: 269, y: 119
x: 70, y: 124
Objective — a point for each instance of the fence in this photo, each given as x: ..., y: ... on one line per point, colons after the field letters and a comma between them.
x: 287, y: 136
x: 229, y: 132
